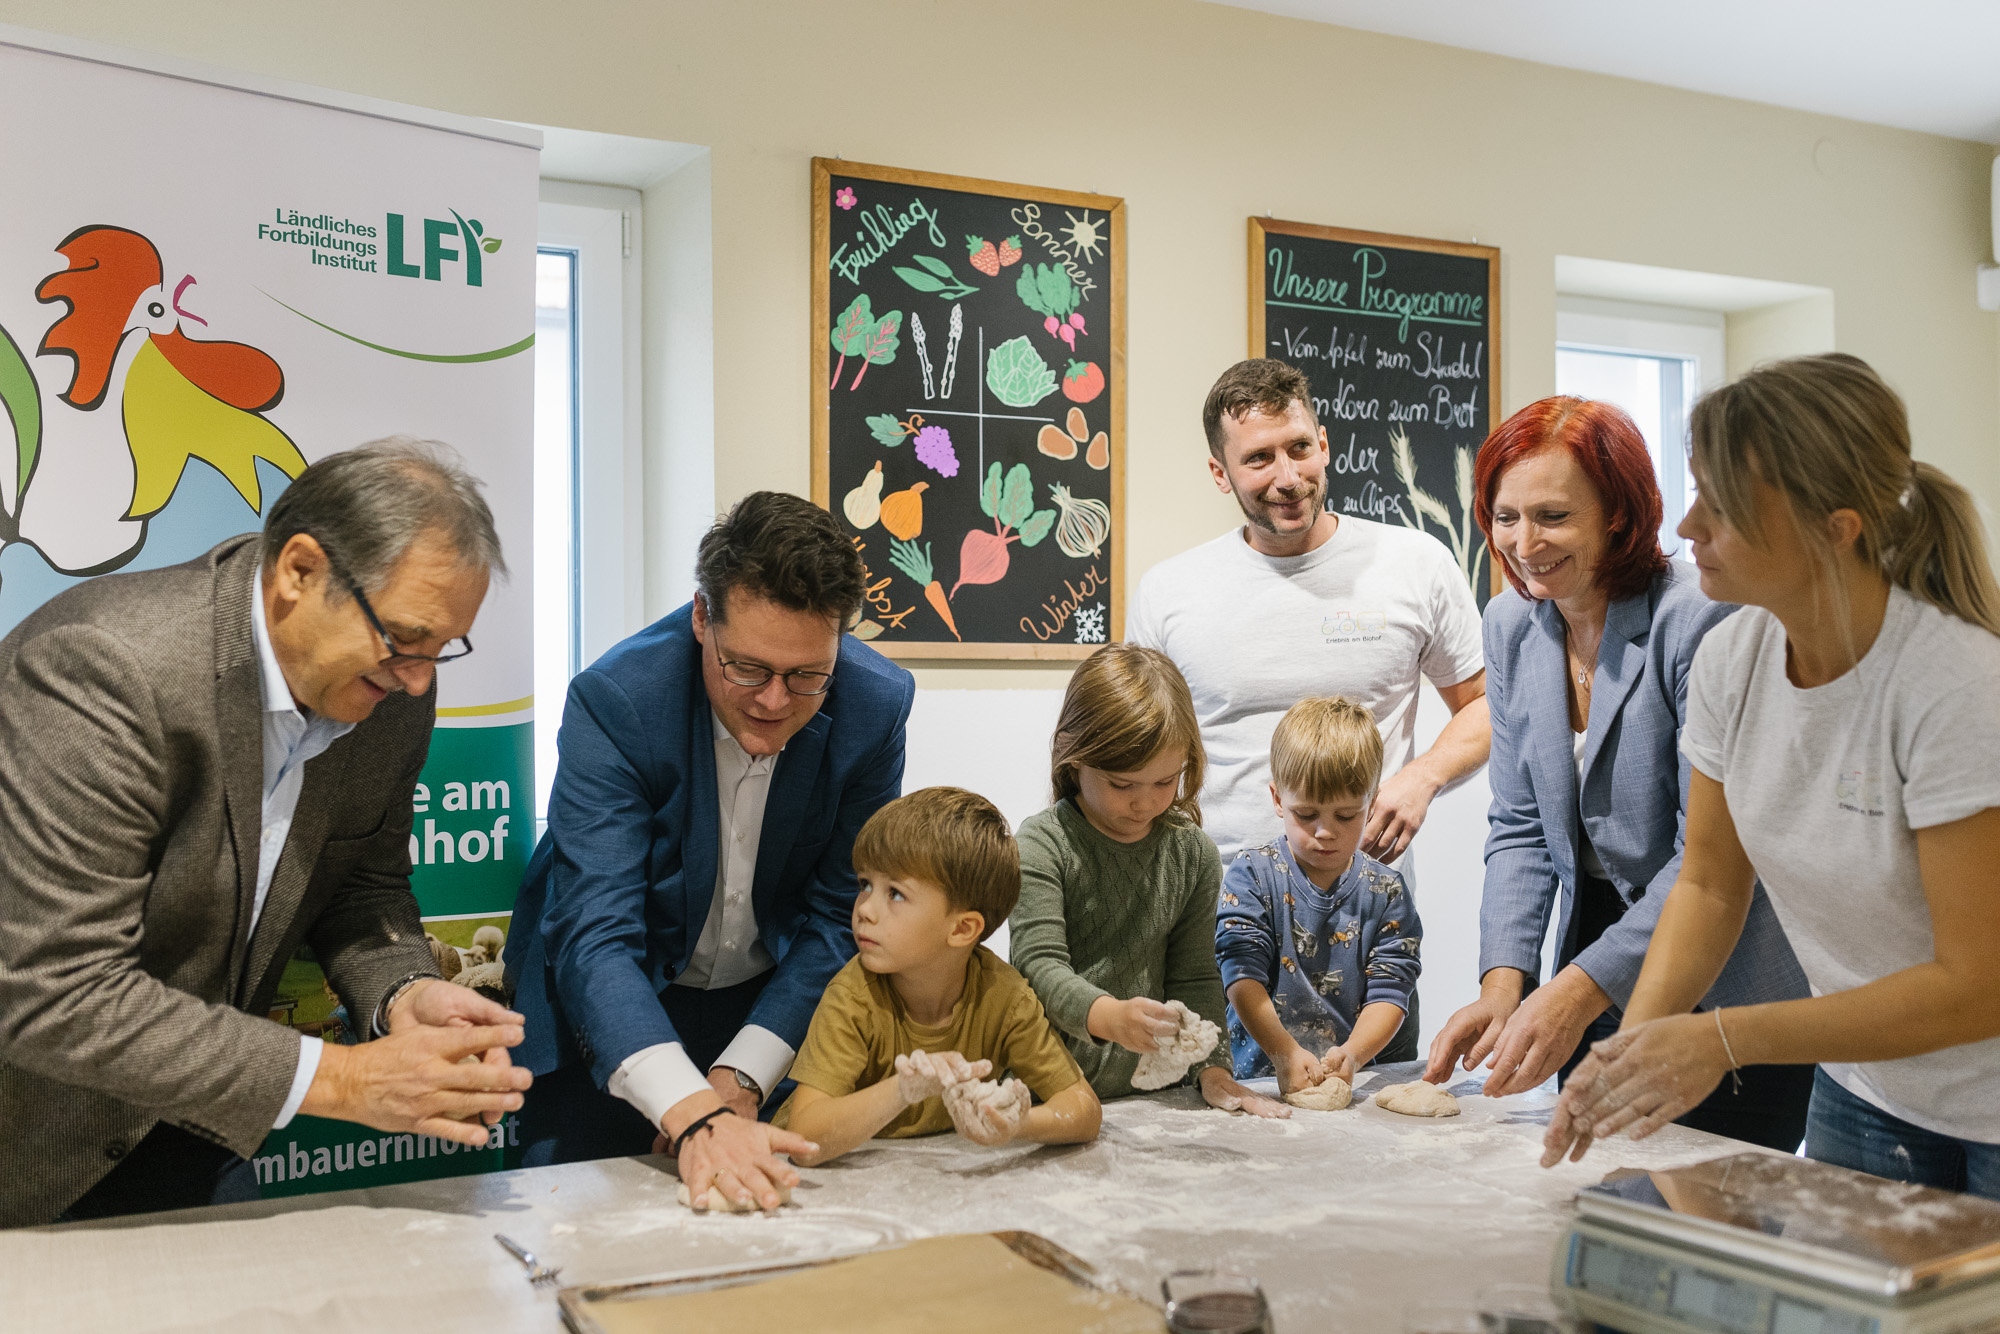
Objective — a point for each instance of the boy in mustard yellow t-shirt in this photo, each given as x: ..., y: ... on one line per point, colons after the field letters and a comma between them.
x: 909, y: 1029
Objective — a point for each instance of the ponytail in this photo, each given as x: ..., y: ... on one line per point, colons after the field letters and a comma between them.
x: 1942, y: 555
x: 1831, y: 435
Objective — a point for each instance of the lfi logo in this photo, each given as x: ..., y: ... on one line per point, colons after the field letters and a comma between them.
x: 438, y: 250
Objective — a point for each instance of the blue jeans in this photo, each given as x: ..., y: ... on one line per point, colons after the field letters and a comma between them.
x: 1849, y: 1132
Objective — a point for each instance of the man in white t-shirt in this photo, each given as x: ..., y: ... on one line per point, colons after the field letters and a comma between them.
x: 1301, y: 602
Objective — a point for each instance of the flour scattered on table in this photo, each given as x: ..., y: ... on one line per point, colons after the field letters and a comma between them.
x: 718, y: 1203
x: 1416, y: 1099
x: 1330, y: 1096
x: 1195, y: 1039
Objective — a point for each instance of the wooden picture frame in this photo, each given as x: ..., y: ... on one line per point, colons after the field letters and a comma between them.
x: 824, y: 173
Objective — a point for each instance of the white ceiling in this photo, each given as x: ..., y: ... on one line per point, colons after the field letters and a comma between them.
x: 1931, y: 65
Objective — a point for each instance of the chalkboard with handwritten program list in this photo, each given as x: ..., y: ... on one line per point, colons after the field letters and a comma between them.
x: 968, y: 408
x: 1399, y: 338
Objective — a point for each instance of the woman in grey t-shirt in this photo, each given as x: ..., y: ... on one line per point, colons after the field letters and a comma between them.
x: 1844, y: 730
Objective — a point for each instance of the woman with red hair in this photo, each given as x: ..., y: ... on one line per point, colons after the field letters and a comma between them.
x: 1586, y: 676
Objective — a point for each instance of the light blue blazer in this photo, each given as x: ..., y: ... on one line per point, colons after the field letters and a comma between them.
x: 1634, y: 798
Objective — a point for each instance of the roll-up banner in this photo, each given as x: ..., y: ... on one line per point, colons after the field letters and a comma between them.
x: 207, y: 282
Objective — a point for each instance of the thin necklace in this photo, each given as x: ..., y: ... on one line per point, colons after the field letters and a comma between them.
x: 1583, y: 662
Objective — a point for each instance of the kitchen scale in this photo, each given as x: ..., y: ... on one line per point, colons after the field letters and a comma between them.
x: 1761, y: 1244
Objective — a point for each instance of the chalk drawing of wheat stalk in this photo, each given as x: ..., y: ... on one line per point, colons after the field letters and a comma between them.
x: 1427, y: 506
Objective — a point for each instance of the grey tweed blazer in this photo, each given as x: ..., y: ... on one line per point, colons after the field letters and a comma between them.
x: 131, y: 807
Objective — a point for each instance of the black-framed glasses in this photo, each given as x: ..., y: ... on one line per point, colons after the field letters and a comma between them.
x: 755, y: 674
x: 396, y: 658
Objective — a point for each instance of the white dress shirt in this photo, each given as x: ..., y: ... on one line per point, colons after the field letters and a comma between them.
x: 729, y: 951
x: 291, y: 738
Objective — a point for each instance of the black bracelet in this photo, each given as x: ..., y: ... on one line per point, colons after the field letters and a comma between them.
x: 699, y: 1123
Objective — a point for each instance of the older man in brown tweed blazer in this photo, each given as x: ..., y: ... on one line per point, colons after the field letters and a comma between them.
x: 201, y: 768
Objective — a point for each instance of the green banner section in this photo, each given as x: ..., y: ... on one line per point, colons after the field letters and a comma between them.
x: 312, y: 1155
x: 474, y: 820
x: 474, y: 828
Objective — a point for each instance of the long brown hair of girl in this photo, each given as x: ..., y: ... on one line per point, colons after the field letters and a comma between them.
x: 1125, y: 705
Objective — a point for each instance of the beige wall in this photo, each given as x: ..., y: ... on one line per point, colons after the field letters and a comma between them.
x: 1198, y: 115
x: 1788, y: 329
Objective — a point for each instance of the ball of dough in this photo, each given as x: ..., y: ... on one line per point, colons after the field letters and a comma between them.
x: 718, y: 1203
x: 1192, y: 1041
x: 1417, y: 1099
x: 1330, y: 1096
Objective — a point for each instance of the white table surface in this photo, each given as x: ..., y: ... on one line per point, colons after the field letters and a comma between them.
x: 1346, y: 1218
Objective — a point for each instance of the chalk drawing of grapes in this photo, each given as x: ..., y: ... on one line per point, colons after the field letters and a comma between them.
x: 1083, y: 234
x: 1090, y: 624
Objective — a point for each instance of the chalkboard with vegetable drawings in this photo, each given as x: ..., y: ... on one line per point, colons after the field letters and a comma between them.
x: 1399, y: 338
x: 968, y: 408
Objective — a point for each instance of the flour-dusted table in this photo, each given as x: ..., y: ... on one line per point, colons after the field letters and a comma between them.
x: 1346, y: 1218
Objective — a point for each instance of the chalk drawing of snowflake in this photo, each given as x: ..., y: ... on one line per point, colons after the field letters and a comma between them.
x: 1090, y: 624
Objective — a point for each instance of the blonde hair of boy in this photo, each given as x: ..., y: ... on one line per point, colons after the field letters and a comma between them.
x: 1124, y: 706
x: 1326, y: 748
x: 951, y: 838
x: 1829, y: 434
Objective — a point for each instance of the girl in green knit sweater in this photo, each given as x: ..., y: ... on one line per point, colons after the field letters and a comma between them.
x: 1118, y: 882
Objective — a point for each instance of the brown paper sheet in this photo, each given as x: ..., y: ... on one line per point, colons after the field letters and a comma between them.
x: 968, y: 1284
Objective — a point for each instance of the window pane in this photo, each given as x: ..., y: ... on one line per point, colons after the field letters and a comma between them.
x: 555, y: 506
x: 1656, y: 392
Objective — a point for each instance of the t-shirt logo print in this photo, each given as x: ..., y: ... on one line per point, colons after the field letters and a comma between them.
x: 1855, y: 791
x: 1343, y: 626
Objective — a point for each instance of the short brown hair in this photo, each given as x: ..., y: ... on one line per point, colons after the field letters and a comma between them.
x: 951, y: 838
x: 1261, y: 384
x: 1124, y: 706
x: 783, y: 548
x: 1326, y: 748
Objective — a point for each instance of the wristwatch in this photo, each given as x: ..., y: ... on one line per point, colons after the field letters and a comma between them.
x: 744, y: 1081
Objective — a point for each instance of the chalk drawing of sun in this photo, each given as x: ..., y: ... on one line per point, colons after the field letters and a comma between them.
x: 1084, y: 234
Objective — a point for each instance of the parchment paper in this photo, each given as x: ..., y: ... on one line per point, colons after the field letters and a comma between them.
x: 968, y: 1284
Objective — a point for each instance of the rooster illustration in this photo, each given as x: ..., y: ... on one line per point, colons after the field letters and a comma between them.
x: 143, y: 398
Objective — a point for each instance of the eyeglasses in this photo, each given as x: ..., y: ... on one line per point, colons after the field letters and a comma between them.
x: 397, y: 658
x: 756, y: 674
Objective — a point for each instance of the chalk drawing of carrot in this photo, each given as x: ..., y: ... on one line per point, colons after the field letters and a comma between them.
x: 917, y: 564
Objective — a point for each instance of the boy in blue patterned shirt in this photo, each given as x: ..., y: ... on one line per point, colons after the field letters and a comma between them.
x: 1317, y: 941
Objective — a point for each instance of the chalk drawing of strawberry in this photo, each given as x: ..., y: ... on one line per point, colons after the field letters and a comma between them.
x: 1010, y: 251
x: 984, y: 257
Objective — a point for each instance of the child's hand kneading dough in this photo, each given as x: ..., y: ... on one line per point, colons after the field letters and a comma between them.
x: 926, y: 1074
x: 985, y: 1112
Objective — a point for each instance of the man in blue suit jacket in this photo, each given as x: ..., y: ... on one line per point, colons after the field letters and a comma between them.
x: 691, y: 899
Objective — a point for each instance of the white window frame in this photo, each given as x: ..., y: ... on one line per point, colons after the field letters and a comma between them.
x: 601, y: 227
x: 1632, y: 328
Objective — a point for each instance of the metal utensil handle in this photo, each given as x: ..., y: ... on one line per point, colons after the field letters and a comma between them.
x: 518, y: 1251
